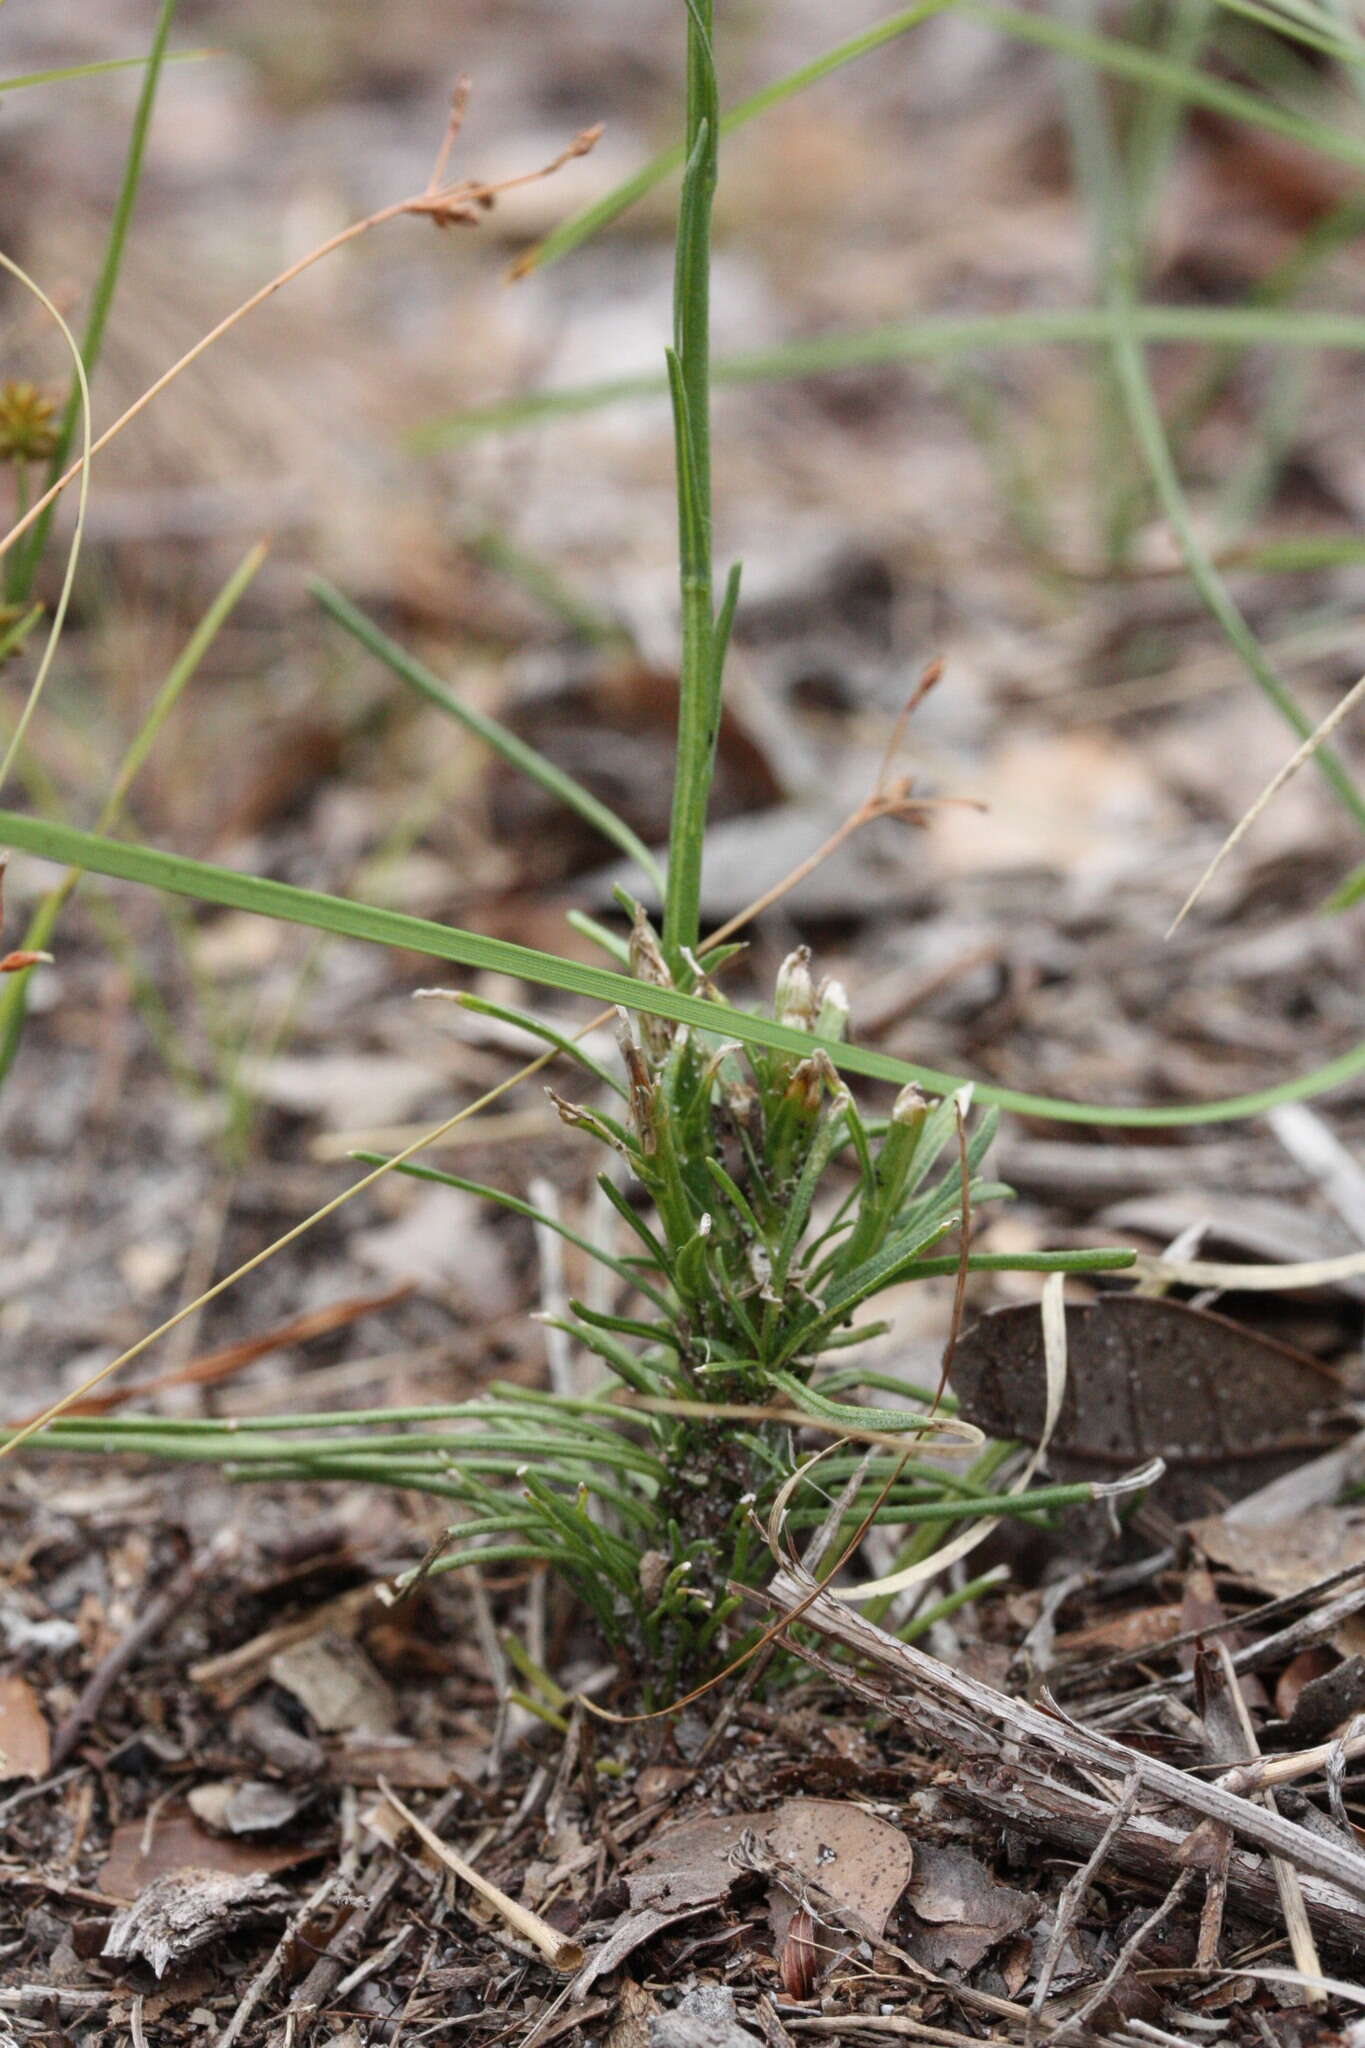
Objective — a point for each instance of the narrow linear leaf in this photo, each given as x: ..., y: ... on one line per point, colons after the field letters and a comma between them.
x: 206, y: 883
x: 923, y: 340
x: 495, y: 735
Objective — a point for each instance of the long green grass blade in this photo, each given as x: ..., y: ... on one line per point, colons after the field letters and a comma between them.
x: 923, y: 340
x: 106, y: 284
x: 14, y: 989
x: 1145, y: 420
x: 1148, y: 68
x: 503, y: 742
x: 206, y: 883
x: 61, y: 73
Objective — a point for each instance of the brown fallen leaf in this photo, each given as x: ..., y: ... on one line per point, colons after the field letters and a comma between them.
x: 25, y: 1740
x: 1141, y: 1628
x: 961, y: 1910
x: 1297, y: 1673
x: 860, y: 1863
x: 411, y: 1766
x: 178, y: 1843
x: 1290, y: 1556
x: 1323, y: 1704
x: 186, y: 1910
x: 1226, y: 1408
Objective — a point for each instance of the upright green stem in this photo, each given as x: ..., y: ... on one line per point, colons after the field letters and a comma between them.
x: 102, y: 298
x: 689, y: 365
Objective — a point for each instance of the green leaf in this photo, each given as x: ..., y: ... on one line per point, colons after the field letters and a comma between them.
x: 512, y: 750
x: 207, y: 883
x: 60, y: 74
x: 1144, y: 67
x: 1145, y: 419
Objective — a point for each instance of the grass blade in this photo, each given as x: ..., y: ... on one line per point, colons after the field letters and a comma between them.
x: 503, y: 742
x: 14, y: 994
x: 1147, y: 68
x: 61, y: 73
x: 922, y: 340
x: 106, y: 284
x: 1145, y: 420
x: 206, y: 883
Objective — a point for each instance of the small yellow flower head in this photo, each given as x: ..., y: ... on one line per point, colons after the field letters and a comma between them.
x: 28, y: 430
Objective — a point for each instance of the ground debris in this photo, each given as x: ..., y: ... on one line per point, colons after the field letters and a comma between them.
x: 186, y: 1910
x: 962, y: 1910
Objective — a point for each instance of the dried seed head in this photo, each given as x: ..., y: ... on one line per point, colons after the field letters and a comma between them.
x: 794, y: 1002
x: 831, y: 1018
x: 742, y: 1102
x: 652, y: 1572
x: 28, y: 426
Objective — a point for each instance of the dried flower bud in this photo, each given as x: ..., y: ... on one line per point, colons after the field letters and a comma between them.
x: 641, y: 1082
x: 831, y: 1018
x: 794, y: 1000
x: 807, y: 1083
x: 910, y: 1107
x: 28, y: 429
x: 648, y: 964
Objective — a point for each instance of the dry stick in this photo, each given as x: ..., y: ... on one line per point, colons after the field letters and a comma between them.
x: 1301, y: 1943
x: 1125, y: 1956
x: 156, y: 1616
x: 559, y: 1952
x: 1071, y: 1900
x: 462, y: 204
x: 1271, y: 790
x: 273, y: 1967
x: 1267, y: 1610
x: 1281, y: 1770
x: 1303, y: 1634
x: 342, y: 1950
x: 978, y: 1706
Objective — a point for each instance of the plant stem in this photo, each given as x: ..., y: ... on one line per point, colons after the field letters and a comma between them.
x: 690, y: 378
x: 105, y: 286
